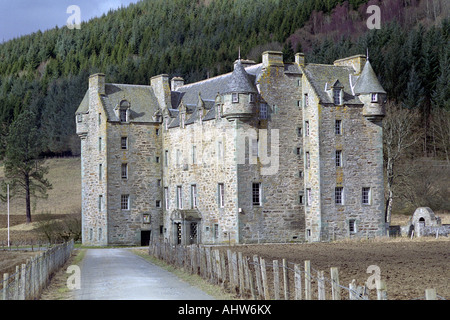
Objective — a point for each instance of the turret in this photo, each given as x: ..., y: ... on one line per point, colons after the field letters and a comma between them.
x: 240, y: 97
x: 371, y: 93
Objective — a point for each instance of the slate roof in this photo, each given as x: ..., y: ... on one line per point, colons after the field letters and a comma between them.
x: 368, y: 81
x: 143, y: 103
x: 240, y: 80
x: 322, y: 77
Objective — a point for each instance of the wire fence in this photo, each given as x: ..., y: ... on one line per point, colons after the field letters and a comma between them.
x: 29, y: 279
x: 256, y: 278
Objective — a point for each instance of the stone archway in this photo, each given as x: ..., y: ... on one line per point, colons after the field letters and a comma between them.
x: 186, y: 226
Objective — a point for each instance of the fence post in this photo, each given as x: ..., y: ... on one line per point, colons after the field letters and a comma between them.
x: 297, y: 282
x: 276, y: 279
x: 430, y: 294
x: 23, y: 282
x: 335, y: 289
x: 352, y: 293
x: 249, y: 276
x: 285, y: 280
x: 5, y: 286
x: 230, y: 268
x: 307, y: 280
x: 218, y: 267
x: 258, y: 275
x: 222, y: 266
x: 16, y: 283
x: 241, y: 274
x: 264, y: 280
x: 320, y: 285
x: 381, y: 290
x: 235, y: 272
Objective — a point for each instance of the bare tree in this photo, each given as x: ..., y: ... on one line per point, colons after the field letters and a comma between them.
x: 399, y: 134
x: 441, y: 131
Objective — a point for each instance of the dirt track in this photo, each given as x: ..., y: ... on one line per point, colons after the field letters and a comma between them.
x: 407, y: 267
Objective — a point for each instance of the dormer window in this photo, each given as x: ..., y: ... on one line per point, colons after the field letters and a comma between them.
x: 235, y: 97
x: 374, y: 97
x: 123, y: 107
x: 251, y: 98
x: 337, y: 96
x: 123, y: 115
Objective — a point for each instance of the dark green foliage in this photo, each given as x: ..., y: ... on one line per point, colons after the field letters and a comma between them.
x: 48, y: 71
x: 23, y: 169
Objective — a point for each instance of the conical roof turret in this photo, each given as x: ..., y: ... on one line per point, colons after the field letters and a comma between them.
x: 240, y: 80
x: 368, y: 82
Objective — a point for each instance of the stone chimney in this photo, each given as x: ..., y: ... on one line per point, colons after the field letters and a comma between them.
x: 161, y: 88
x: 300, y: 59
x: 176, y: 82
x: 97, y: 83
x: 272, y: 58
x: 356, y: 62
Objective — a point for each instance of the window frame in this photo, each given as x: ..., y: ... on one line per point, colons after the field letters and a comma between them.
x: 124, y: 171
x: 366, y: 196
x: 338, y: 127
x: 124, y: 143
x: 338, y: 159
x: 257, y: 193
x: 125, y: 202
x: 221, y: 195
x: 339, y: 195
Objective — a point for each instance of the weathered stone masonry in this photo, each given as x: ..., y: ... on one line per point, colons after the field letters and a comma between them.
x: 248, y: 156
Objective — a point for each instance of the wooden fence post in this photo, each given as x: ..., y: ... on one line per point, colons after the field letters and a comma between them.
x: 320, y: 285
x: 430, y: 294
x: 381, y: 290
x: 258, y: 275
x: 352, y: 293
x: 241, y: 274
x: 276, y: 280
x: 285, y: 280
x: 264, y: 280
x: 249, y: 276
x: 224, y: 269
x: 335, y: 289
x: 5, y: 286
x: 235, y: 272
x: 230, y: 268
x: 307, y: 280
x: 297, y: 282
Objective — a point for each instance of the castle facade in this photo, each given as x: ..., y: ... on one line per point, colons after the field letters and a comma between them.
x: 271, y: 152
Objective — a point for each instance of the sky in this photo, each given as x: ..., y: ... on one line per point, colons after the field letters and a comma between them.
x: 21, y: 17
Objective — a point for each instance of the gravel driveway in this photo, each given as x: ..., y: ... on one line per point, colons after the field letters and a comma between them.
x: 119, y: 274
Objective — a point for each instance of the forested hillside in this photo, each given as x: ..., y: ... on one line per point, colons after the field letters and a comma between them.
x: 47, y: 72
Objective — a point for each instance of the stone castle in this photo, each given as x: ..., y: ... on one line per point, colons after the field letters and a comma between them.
x: 271, y: 152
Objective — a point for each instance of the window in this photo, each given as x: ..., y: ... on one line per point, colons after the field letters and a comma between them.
x: 337, y: 96
x: 179, y: 197
x: 166, y: 197
x: 339, y: 195
x: 254, y: 147
x: 158, y: 203
x: 166, y: 158
x: 307, y: 160
x: 124, y: 143
x: 79, y: 118
x: 263, y: 111
x: 100, y: 234
x: 157, y: 132
x: 306, y: 128
x: 216, y: 231
x: 352, y: 226
x: 125, y: 202
x: 374, y: 97
x: 251, y: 98
x: 99, y: 119
x: 194, y: 196
x: 220, y: 150
x: 338, y: 127
x: 221, y: 191
x: 298, y: 151
x: 299, y: 131
x: 123, y: 115
x: 256, y: 194
x: 300, y: 199
x: 178, y: 156
x: 100, y: 172
x: 183, y: 119
x: 300, y: 174
x: 338, y: 158
x: 124, y: 171
x: 100, y: 202
x: 158, y: 182
x: 305, y: 100
x: 157, y: 159
x: 235, y: 97
x: 194, y: 154
x: 99, y: 144
x: 365, y: 195
x: 299, y: 103
x: 308, y: 197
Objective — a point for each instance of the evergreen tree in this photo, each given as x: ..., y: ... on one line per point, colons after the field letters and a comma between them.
x: 24, y: 170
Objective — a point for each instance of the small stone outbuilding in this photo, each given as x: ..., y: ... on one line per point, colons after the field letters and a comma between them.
x: 424, y: 222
